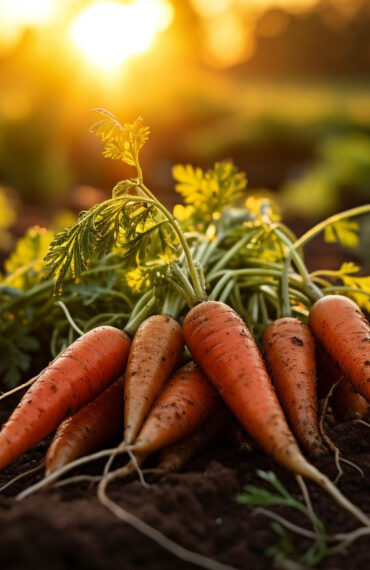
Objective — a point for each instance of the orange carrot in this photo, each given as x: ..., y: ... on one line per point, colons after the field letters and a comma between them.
x: 172, y: 458
x: 186, y: 402
x: 345, y: 401
x: 77, y: 376
x: 289, y: 349
x: 154, y: 352
x: 89, y: 429
x: 222, y: 345
x: 344, y: 333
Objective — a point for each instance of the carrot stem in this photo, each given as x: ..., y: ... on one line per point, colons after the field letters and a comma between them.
x: 313, y: 232
x: 230, y: 254
x: 286, y: 309
x: 311, y: 289
x: 198, y: 289
x: 139, y: 316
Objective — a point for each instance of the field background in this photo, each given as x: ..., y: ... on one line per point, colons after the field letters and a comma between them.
x: 282, y: 87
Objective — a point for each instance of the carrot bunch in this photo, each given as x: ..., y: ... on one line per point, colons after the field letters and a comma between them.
x: 221, y: 331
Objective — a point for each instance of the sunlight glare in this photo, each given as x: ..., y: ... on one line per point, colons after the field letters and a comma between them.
x: 109, y: 33
x: 27, y: 12
x: 16, y: 15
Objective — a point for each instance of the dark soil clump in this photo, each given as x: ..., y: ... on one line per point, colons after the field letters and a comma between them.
x: 67, y: 528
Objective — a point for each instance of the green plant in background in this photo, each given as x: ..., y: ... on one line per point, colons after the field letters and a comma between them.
x: 343, y: 164
x: 7, y: 219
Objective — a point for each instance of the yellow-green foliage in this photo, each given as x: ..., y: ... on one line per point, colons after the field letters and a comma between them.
x: 344, y: 232
x: 121, y: 142
x: 209, y: 192
x: 7, y: 218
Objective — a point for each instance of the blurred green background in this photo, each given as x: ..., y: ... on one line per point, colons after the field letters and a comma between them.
x: 282, y: 87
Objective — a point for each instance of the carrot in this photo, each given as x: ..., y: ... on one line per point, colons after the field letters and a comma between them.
x: 289, y: 349
x: 343, y: 331
x: 345, y: 401
x: 172, y: 458
x: 186, y: 402
x: 348, y: 404
x: 155, y: 350
x: 89, y: 429
x: 77, y: 376
x: 222, y: 345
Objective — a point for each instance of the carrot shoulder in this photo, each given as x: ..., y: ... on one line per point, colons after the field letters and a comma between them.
x: 77, y: 376
x: 89, y: 429
x: 154, y: 352
x: 344, y: 332
x: 289, y: 349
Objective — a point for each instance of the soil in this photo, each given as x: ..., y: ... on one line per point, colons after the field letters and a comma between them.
x: 67, y: 528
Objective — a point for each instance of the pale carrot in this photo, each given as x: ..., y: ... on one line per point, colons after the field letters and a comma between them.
x: 155, y: 350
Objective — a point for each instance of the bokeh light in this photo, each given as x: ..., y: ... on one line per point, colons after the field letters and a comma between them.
x: 109, y: 33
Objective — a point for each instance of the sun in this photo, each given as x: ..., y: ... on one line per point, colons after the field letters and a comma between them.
x: 109, y: 33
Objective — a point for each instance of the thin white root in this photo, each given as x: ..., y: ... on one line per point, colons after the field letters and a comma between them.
x: 78, y: 479
x: 26, y: 384
x: 284, y: 522
x: 337, y: 456
x: 65, y: 469
x: 18, y: 388
x: 136, y: 465
x: 320, y: 479
x: 354, y: 465
x: 362, y: 422
x: 22, y: 475
x: 69, y: 317
x: 348, y: 538
x: 153, y: 534
x: 108, y: 464
x: 306, y: 497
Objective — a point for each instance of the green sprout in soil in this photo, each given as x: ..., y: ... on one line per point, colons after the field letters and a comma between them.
x: 284, y: 553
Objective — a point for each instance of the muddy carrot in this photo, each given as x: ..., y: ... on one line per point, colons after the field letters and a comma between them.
x: 89, y: 429
x: 155, y: 350
x: 172, y: 458
x: 344, y: 333
x: 186, y: 402
x: 289, y: 349
x: 224, y: 348
x: 345, y: 401
x: 77, y: 376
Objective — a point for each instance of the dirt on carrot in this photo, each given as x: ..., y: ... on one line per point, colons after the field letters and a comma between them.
x: 67, y: 527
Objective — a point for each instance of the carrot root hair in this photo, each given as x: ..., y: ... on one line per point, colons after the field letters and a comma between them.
x: 55, y: 475
x: 152, y: 533
x: 324, y: 482
x: 337, y: 455
x: 22, y: 475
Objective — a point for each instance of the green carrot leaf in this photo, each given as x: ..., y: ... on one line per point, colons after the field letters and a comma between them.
x: 121, y: 142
